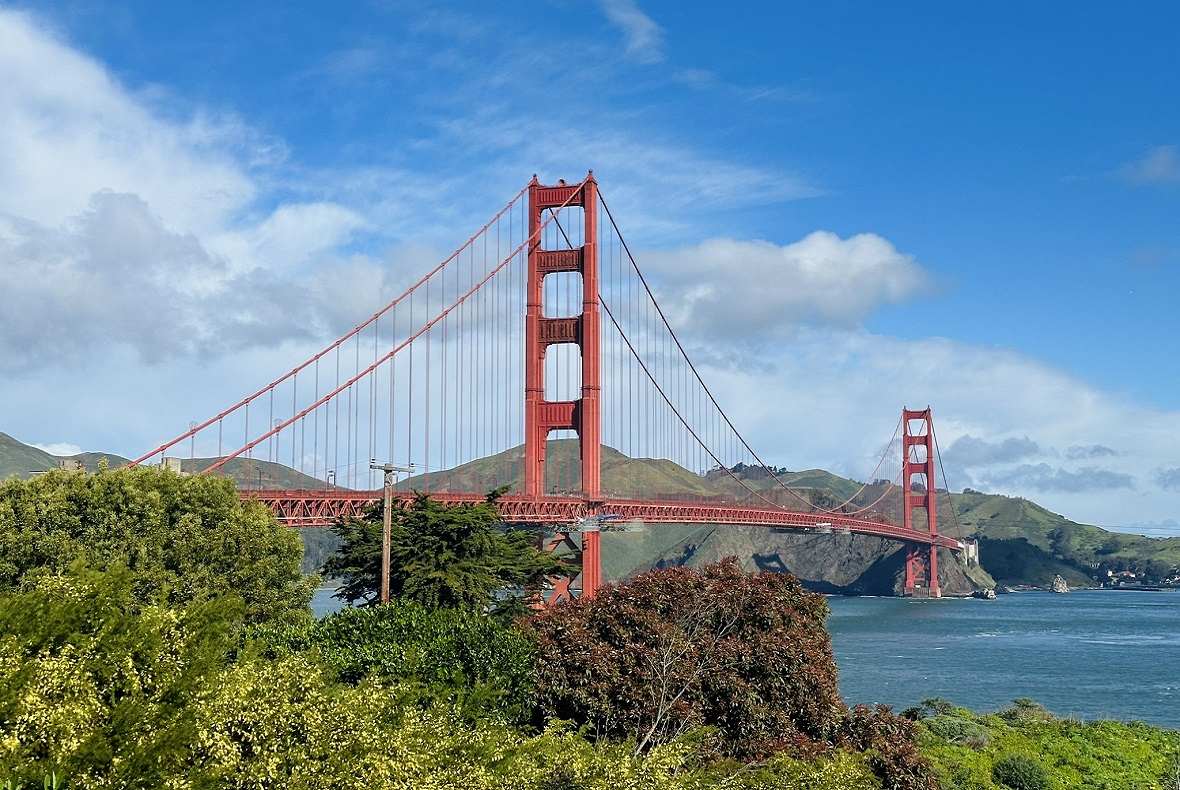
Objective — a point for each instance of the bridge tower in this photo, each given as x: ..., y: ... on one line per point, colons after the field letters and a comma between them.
x: 921, y: 566
x: 583, y: 415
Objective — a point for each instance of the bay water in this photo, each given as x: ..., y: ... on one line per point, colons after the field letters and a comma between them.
x: 1091, y: 654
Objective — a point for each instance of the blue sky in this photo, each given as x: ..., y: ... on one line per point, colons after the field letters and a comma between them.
x: 989, y: 193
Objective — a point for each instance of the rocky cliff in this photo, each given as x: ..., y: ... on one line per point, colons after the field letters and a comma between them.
x: 836, y: 563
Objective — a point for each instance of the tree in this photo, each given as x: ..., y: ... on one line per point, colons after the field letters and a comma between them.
x: 185, y: 538
x: 440, y: 556
x: 678, y: 649
x: 748, y: 656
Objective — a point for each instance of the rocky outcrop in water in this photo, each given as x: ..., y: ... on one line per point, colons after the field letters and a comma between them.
x: 1059, y: 585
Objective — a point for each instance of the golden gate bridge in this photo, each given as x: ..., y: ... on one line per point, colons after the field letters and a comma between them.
x: 536, y: 357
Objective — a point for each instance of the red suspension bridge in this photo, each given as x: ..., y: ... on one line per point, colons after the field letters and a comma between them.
x: 536, y: 357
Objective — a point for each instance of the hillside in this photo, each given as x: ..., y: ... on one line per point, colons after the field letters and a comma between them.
x: 1021, y: 542
x: 22, y: 460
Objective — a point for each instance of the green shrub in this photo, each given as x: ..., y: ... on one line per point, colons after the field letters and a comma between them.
x: 445, y: 653
x: 1021, y: 772
x: 956, y: 730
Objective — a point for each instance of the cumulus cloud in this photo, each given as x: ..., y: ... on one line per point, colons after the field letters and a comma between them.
x: 735, y: 290
x: 644, y: 37
x: 114, y: 274
x: 1167, y: 479
x: 1042, y: 477
x: 1079, y: 452
x: 120, y: 226
x: 68, y: 130
x: 1160, y: 166
x: 973, y: 451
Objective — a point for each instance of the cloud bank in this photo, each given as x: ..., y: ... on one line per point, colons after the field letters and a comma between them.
x: 734, y: 290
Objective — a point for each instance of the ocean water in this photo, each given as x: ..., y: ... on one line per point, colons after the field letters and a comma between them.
x: 323, y: 602
x: 1092, y: 654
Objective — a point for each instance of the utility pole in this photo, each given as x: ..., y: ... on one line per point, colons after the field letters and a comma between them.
x: 389, y: 470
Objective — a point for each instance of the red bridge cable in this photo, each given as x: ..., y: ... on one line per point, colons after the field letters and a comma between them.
x: 873, y: 476
x: 193, y: 431
x: 676, y: 411
x: 342, y: 387
x: 946, y: 485
x: 697, y: 375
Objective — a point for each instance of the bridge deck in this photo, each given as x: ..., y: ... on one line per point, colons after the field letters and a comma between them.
x: 322, y: 508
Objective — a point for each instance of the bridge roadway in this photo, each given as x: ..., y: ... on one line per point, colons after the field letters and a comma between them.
x: 323, y: 508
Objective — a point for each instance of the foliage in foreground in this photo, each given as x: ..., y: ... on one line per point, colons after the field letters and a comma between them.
x: 99, y: 687
x: 446, y: 654
x: 745, y: 655
x: 185, y: 538
x: 440, y: 556
x: 108, y: 692
x: 1026, y: 748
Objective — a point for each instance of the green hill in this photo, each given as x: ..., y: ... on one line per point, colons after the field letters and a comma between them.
x: 22, y: 460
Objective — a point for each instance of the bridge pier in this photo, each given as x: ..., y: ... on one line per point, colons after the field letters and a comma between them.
x: 921, y: 572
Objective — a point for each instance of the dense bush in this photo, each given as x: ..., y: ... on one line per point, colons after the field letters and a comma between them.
x: 99, y: 687
x: 890, y: 744
x: 1020, y: 772
x: 678, y: 649
x: 445, y: 653
x: 958, y: 730
x: 746, y: 656
x: 1073, y: 754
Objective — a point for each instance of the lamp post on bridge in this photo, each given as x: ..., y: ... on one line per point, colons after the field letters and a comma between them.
x: 387, y: 522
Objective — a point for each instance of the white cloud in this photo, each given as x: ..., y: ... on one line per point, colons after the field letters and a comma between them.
x: 122, y: 227
x: 1160, y: 166
x: 757, y: 290
x: 291, y: 237
x: 68, y: 130
x: 644, y: 37
x: 59, y: 448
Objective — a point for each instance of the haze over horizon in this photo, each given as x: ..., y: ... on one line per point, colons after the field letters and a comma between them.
x: 844, y: 208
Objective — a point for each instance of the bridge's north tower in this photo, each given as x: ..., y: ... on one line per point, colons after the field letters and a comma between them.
x: 584, y: 414
x: 921, y: 567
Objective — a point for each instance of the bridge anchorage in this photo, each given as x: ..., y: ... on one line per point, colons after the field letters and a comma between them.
x: 536, y: 357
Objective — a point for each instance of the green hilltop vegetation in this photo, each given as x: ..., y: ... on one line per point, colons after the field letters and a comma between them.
x: 1021, y: 543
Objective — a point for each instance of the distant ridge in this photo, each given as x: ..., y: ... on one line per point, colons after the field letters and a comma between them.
x: 22, y: 460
